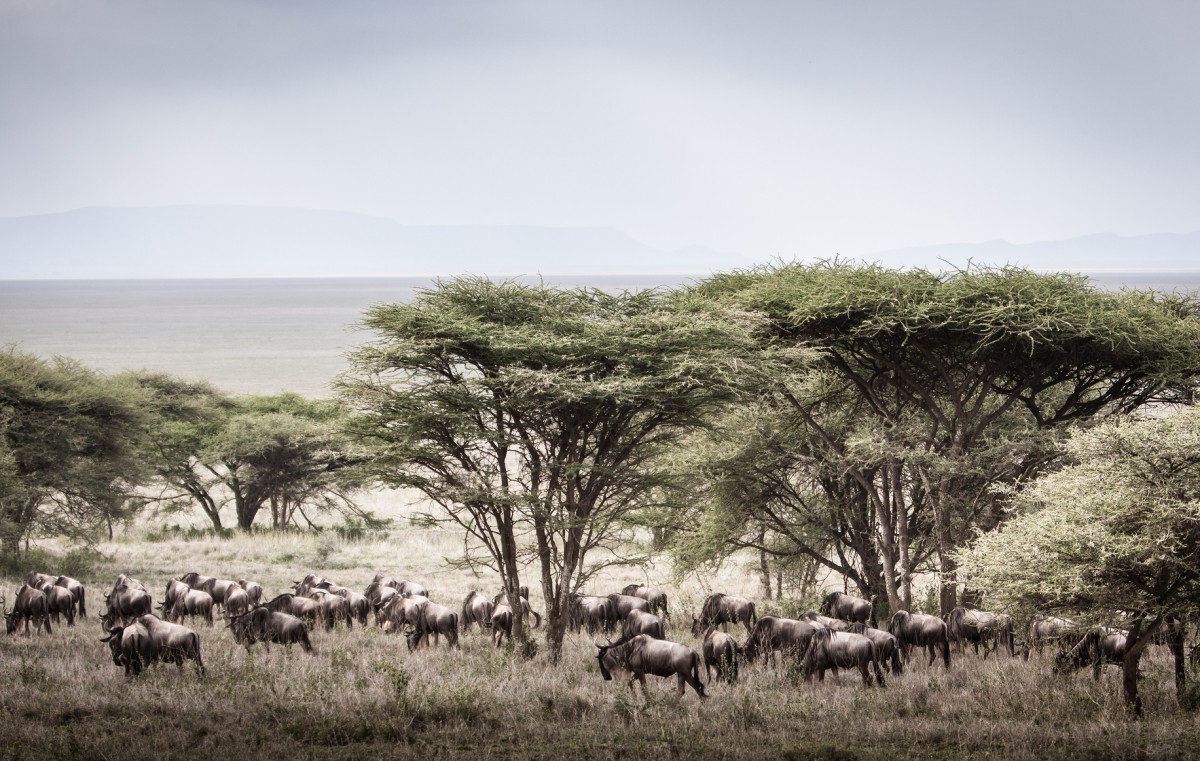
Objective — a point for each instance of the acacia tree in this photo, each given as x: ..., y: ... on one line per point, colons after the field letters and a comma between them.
x: 68, y: 455
x: 1115, y: 536
x: 945, y: 362
x: 533, y: 416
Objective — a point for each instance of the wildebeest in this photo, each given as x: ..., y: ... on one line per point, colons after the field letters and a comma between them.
x: 833, y: 650
x: 132, y: 647
x: 641, y: 622
x: 378, y: 593
x: 772, y: 634
x: 836, y: 624
x: 887, y: 647
x: 74, y: 586
x: 31, y: 605
x: 253, y: 589
x: 723, y: 609
x: 594, y: 613
x: 526, y: 609
x: 237, y: 600
x: 300, y: 607
x: 1095, y: 648
x: 920, y: 630
x: 267, y: 626
x: 720, y: 651
x: 476, y: 609
x: 1043, y: 629
x: 849, y: 608
x: 980, y: 628
x: 433, y: 619
x: 656, y: 597
x: 643, y: 655
x: 501, y: 622
x: 219, y: 589
x: 401, y: 586
x: 175, y: 643
x: 189, y: 602
x: 60, y: 603
x: 128, y: 600
x: 622, y: 604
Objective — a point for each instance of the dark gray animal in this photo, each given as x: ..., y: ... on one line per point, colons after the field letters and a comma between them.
x: 476, y: 609
x: 175, y: 643
x: 267, y: 626
x: 526, y: 609
x: 501, y: 622
x: 436, y: 620
x: 980, y: 627
x: 74, y: 586
x: 887, y: 647
x: 836, y: 624
x: 1095, y: 648
x: 920, y: 630
x: 300, y: 607
x: 237, y: 600
x: 643, y: 655
x: 641, y: 622
x: 720, y: 651
x: 331, y: 609
x: 721, y: 609
x: 622, y: 604
x: 253, y: 589
x: 403, y: 587
x: 132, y: 647
x: 31, y: 605
x: 189, y: 602
x: 219, y: 589
x: 128, y: 600
x: 656, y: 597
x: 771, y: 634
x: 833, y: 650
x: 60, y: 602
x: 849, y: 608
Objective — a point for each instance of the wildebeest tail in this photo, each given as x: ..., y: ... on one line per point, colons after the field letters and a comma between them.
x: 946, y: 651
x: 897, y: 664
x: 696, y: 673
x: 82, y: 595
x: 753, y: 615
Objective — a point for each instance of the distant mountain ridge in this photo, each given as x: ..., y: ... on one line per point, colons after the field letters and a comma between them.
x: 1103, y: 252
x: 245, y: 241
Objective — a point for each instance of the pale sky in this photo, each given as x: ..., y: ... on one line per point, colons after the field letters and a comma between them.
x: 768, y: 128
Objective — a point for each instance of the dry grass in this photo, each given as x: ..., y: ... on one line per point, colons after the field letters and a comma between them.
x: 363, y: 695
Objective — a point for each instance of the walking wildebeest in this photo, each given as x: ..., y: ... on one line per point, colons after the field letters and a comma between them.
x: 74, y: 586
x: 622, y: 604
x: 833, y: 650
x: 835, y: 624
x: 720, y: 651
x: 772, y: 634
x: 132, y: 647
x: 253, y: 589
x: 300, y: 607
x: 887, y: 647
x: 980, y: 627
x: 1095, y: 648
x: 237, y: 600
x: 175, y: 643
x: 526, y: 609
x: 595, y: 613
x: 849, y: 608
x: 920, y: 630
x: 641, y: 622
x: 722, y: 609
x: 60, y: 603
x: 476, y: 609
x: 656, y: 597
x: 410, y: 587
x: 31, y: 605
x: 188, y: 602
x: 1043, y: 629
x: 431, y: 618
x: 643, y: 655
x: 266, y: 626
x: 128, y: 600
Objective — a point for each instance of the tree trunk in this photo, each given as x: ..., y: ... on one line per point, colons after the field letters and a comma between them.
x: 900, y: 507
x: 1138, y: 639
x: 764, y: 568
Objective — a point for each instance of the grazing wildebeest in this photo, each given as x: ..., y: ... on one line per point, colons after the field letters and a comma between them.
x: 980, y: 627
x: 641, y: 622
x: 237, y: 600
x: 526, y: 609
x: 835, y: 624
x: 74, y: 586
x: 377, y: 594
x: 722, y: 609
x: 132, y: 647
x: 300, y: 607
x: 643, y: 655
x: 476, y: 609
x: 194, y: 580
x: 849, y: 608
x: 219, y: 589
x: 360, y: 606
x: 431, y: 618
x: 501, y: 622
x: 128, y: 600
x: 833, y: 650
x: 656, y: 597
x: 595, y: 613
x: 920, y: 630
x: 189, y: 602
x: 622, y: 604
x: 31, y: 605
x: 887, y: 647
x: 720, y: 652
x: 266, y: 626
x: 175, y: 643
x: 772, y: 634
x: 253, y: 589
x: 60, y: 603
x: 330, y: 608
x: 1043, y: 629
x: 1095, y: 648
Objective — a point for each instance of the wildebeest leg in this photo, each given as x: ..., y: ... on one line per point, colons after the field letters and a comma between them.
x: 932, y: 653
x: 681, y: 683
x: 864, y: 668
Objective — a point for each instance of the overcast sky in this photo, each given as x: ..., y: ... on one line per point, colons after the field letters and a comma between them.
x: 768, y: 128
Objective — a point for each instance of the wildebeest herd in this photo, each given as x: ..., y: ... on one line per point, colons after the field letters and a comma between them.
x: 843, y: 634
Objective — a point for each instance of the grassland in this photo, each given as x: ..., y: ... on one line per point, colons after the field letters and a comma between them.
x: 362, y: 695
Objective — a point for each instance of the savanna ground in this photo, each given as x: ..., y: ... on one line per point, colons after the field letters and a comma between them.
x: 362, y: 695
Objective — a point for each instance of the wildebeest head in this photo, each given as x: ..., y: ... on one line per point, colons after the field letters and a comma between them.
x: 114, y: 643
